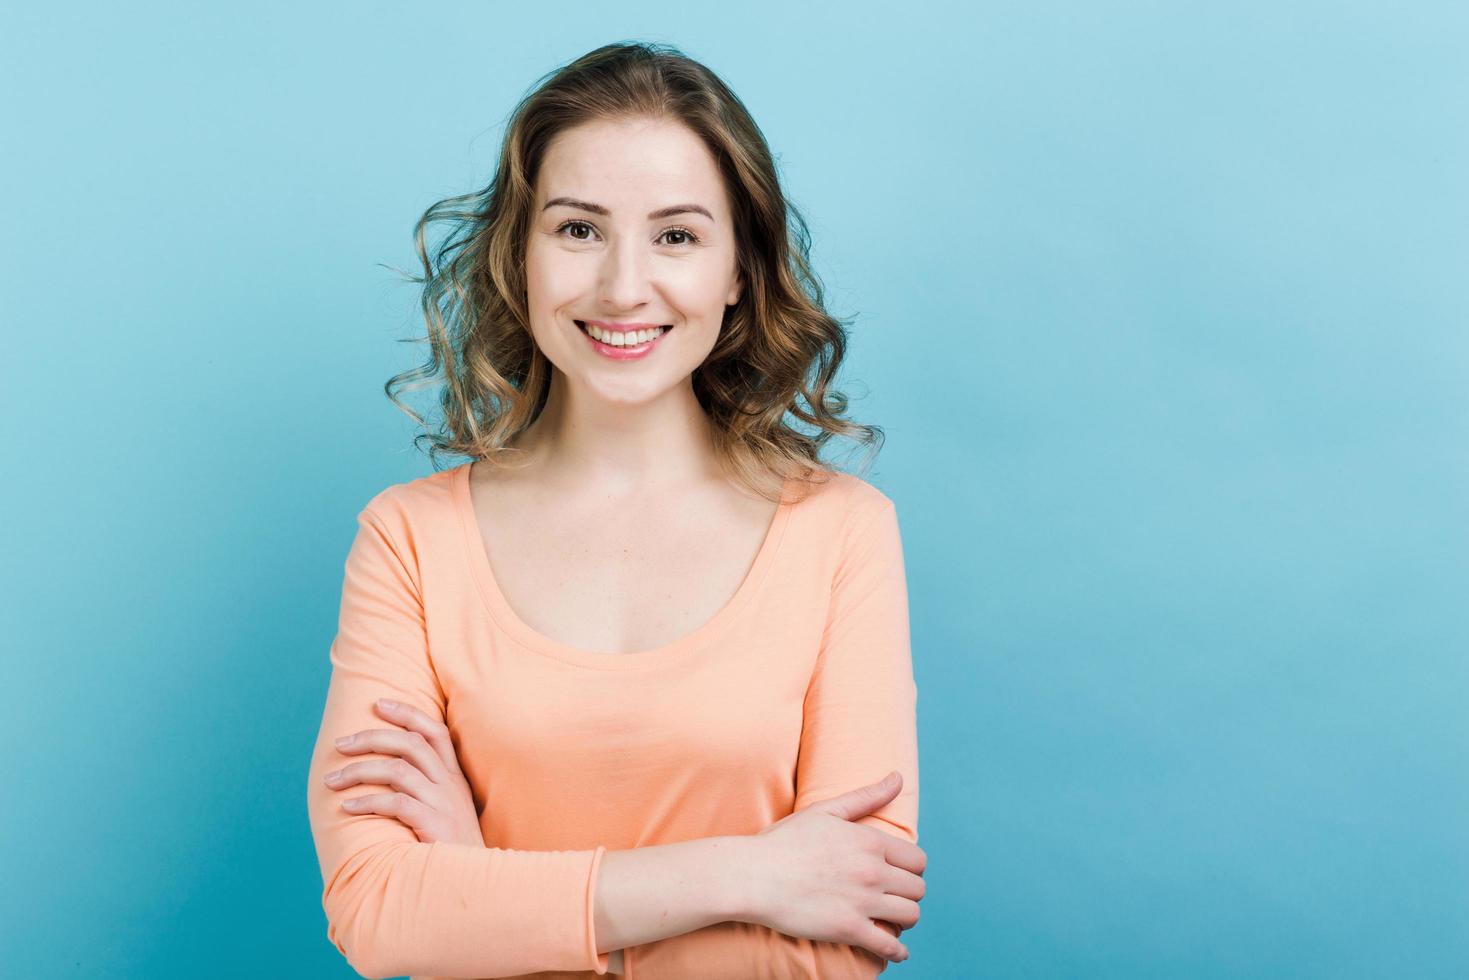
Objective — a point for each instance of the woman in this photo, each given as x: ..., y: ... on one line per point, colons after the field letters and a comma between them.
x: 649, y: 657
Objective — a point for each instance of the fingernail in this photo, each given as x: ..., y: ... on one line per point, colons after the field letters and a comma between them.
x: 351, y: 804
x: 345, y: 741
x: 386, y: 704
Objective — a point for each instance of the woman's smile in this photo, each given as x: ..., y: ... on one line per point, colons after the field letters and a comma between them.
x: 622, y: 344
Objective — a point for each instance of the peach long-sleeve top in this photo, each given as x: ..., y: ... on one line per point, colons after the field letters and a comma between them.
x: 799, y: 689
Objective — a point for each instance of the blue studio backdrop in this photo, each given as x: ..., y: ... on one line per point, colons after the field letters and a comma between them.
x: 1162, y: 308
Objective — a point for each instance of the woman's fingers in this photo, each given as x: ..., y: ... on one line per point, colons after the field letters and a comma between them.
x: 905, y: 884
x: 434, y: 732
x: 902, y: 853
x: 400, y: 806
x: 882, y: 942
x: 433, y: 796
x: 394, y: 741
x: 901, y: 912
x: 400, y: 775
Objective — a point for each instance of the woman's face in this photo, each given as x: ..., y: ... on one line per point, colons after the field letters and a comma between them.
x: 600, y: 250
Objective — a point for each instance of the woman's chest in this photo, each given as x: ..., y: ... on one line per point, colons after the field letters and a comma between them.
x: 623, y: 582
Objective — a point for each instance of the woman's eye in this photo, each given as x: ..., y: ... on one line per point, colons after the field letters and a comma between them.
x: 575, y: 224
x: 689, y: 237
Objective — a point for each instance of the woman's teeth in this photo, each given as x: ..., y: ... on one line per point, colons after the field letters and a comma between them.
x: 623, y: 338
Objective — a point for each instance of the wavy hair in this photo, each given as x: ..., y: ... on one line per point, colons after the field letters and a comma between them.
x: 778, y: 349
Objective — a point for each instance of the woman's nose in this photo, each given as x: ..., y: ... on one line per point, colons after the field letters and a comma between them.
x: 625, y: 277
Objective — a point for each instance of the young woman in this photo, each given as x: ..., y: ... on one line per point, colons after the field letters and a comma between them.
x: 647, y: 657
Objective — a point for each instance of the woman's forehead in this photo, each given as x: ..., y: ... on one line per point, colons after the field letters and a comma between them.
x: 634, y: 168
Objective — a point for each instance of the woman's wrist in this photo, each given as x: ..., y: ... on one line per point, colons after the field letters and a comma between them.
x: 648, y: 893
x: 738, y: 879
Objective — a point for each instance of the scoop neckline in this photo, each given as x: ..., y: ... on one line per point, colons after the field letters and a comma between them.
x: 510, y: 622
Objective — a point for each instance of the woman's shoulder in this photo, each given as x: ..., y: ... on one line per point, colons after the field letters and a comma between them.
x: 411, y: 502
x: 844, y: 500
x: 851, y: 490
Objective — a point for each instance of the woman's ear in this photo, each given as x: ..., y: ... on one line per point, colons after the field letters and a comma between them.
x: 735, y: 291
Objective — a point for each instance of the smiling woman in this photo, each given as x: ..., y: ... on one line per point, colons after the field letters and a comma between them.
x: 623, y: 689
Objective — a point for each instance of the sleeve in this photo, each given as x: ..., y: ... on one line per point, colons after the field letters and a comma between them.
x: 396, y: 905
x: 860, y: 720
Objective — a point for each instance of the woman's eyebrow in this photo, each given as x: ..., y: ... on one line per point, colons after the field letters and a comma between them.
x: 667, y: 212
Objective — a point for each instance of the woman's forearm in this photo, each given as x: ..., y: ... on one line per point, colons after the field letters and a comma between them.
x: 645, y: 894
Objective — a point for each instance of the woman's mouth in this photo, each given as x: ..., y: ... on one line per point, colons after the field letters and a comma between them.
x: 622, y: 345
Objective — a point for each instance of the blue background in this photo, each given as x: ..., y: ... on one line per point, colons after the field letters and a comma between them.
x: 1163, y: 310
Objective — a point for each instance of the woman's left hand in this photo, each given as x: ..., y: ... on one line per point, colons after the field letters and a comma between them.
x: 433, y: 797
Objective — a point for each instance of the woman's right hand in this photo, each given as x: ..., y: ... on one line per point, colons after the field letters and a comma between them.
x: 821, y: 876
